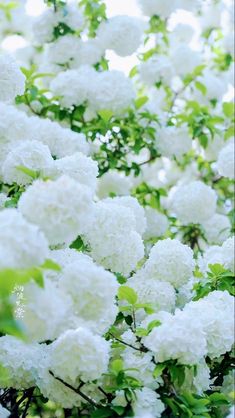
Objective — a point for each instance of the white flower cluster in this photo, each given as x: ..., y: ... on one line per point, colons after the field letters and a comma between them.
x: 12, y: 80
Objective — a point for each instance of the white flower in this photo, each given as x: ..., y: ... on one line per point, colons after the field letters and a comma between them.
x: 179, y: 337
x: 45, y: 311
x: 137, y: 210
x: 93, y: 292
x: 79, y: 354
x: 215, y: 86
x: 114, y: 242
x: 161, y: 295
x: 29, y: 154
x: 43, y: 26
x: 20, y: 361
x: 113, y: 34
x: 212, y: 255
x: 215, y: 313
x: 22, y: 245
x: 173, y: 141
x: 111, y: 91
x: 3, y: 200
x: 170, y: 261
x: 90, y: 52
x: 213, y: 147
x: 157, y: 7
x: 194, y: 202
x: 147, y: 402
x: 71, y: 15
x: 12, y: 80
x: 4, y: 413
x: 182, y: 32
x: 157, y: 68
x: 73, y: 86
x: 157, y: 223
x: 217, y: 229
x: 225, y: 162
x: 113, y: 182
x: 227, y: 250
x: 60, y: 208
x: 79, y: 167
x: 63, y: 50
x: 184, y: 59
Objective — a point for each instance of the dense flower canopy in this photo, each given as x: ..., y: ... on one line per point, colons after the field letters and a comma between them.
x: 116, y: 211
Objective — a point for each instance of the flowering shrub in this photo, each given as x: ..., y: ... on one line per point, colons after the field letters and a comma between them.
x: 116, y: 212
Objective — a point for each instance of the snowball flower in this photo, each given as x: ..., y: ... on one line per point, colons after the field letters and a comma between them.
x: 194, y: 202
x: 225, y: 162
x: 60, y: 208
x: 93, y: 291
x: 79, y: 354
x: 63, y: 50
x: 82, y: 82
x: 157, y: 223
x: 114, y: 242
x: 171, y: 261
x: 111, y: 91
x: 179, y: 337
x: 114, y: 32
x: 20, y: 361
x: 184, y: 59
x: 215, y: 313
x: 137, y: 210
x: 113, y: 182
x: 22, y: 245
x: 41, y: 304
x: 158, y: 7
x: 228, y: 251
x: 217, y: 229
x: 12, y: 80
x: 173, y: 141
x: 79, y: 167
x: 157, y: 68
x: 147, y: 402
x: 215, y: 87
x: 29, y: 154
x: 161, y: 295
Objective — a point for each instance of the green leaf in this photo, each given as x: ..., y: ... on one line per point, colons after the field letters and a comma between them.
x: 228, y: 109
x: 158, y: 370
x: 199, y: 86
x: 126, y: 293
x: 229, y: 132
x: 219, y: 398
x: 105, y: 115
x: 4, y: 376
x: 31, y: 173
x: 140, y: 101
x: 118, y: 409
x: 117, y: 366
x: 50, y: 265
x: 133, y: 71
x: 216, y: 269
x: 102, y: 413
x: 153, y: 324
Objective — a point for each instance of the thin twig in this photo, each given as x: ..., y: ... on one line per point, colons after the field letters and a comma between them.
x: 124, y: 343
x: 78, y: 391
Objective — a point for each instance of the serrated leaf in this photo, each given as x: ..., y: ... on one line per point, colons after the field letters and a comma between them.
x: 126, y: 293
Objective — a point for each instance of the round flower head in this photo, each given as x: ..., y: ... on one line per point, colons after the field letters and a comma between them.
x: 22, y: 245
x: 90, y: 52
x: 63, y: 50
x: 157, y: 7
x: 137, y: 210
x: 184, y: 59
x: 194, y: 202
x: 215, y: 312
x: 147, y: 402
x: 225, y: 162
x: 20, y: 361
x: 32, y: 155
x: 93, y: 292
x: 43, y: 27
x: 114, y: 242
x: 173, y: 141
x: 111, y: 91
x: 79, y: 354
x: 12, y: 80
x: 157, y: 223
x: 39, y: 304
x: 80, y: 80
x: 179, y: 337
x: 113, y: 34
x: 157, y: 68
x: 170, y: 261
x: 228, y: 252
x: 79, y: 167
x: 217, y: 229
x: 113, y: 182
x: 61, y: 208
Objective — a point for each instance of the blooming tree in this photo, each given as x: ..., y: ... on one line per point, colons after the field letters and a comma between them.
x: 116, y: 212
